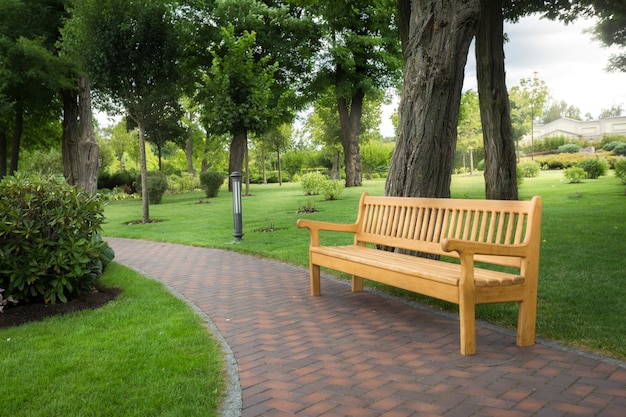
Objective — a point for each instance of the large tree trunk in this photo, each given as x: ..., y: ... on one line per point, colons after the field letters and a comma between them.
x: 144, y: 173
x: 435, y: 51
x: 350, y: 119
x: 70, y: 138
x: 89, y: 150
x: 17, y: 138
x: 237, y: 152
x: 500, y: 164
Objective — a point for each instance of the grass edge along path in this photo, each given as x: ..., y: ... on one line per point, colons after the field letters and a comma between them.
x: 583, y: 256
x: 144, y: 354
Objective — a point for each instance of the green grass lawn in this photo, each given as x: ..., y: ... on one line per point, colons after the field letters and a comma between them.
x: 583, y: 256
x: 145, y: 354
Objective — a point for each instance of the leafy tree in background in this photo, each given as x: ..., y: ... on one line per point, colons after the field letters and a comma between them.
x: 131, y: 51
x: 363, y: 58
x: 469, y: 127
x: 32, y: 73
x: 615, y: 110
x: 558, y: 109
x: 236, y: 93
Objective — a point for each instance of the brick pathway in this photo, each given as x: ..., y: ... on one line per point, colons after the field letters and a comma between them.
x: 345, y: 354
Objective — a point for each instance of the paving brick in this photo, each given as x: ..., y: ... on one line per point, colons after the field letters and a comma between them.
x: 365, y: 354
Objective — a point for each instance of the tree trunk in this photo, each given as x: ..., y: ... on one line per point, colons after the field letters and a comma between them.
x: 280, y: 173
x: 89, y: 150
x: 435, y: 53
x: 500, y: 164
x: 189, y: 151
x: 17, y: 138
x: 144, y: 173
x: 350, y: 119
x: 70, y: 138
x: 237, y: 152
x: 3, y: 154
x: 205, y: 162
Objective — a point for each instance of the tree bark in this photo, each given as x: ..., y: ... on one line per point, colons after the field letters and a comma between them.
x: 144, y: 173
x: 189, y: 151
x: 350, y: 119
x: 17, y: 138
x: 435, y: 52
x: 89, y: 150
x: 70, y: 139
x: 500, y: 163
x: 237, y: 153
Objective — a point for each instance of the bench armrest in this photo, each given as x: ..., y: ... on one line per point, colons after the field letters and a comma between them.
x: 464, y: 247
x: 315, y: 226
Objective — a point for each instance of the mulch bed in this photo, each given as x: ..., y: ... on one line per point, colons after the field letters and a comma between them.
x: 37, y: 311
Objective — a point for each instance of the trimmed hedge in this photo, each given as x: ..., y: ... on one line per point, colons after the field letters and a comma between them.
x: 49, y: 242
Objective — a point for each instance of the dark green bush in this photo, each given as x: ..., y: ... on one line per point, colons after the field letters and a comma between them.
x: 49, y: 242
x: 569, y: 148
x: 124, y: 179
x: 611, y: 145
x: 211, y: 182
x: 620, y: 149
x: 594, y: 167
x: 157, y: 186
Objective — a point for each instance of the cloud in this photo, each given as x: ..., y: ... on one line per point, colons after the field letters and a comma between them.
x: 570, y: 62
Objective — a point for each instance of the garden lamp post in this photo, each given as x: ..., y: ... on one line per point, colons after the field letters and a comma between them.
x: 235, y: 178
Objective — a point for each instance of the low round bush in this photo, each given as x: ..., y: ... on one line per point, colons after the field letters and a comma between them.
x: 569, y: 148
x: 529, y: 169
x: 612, y: 145
x: 49, y: 242
x: 574, y: 175
x: 312, y: 183
x: 211, y: 182
x: 332, y: 189
x: 594, y: 167
x: 157, y: 186
x: 620, y: 149
x: 620, y: 169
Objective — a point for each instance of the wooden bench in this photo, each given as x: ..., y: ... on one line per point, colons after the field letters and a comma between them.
x: 489, y: 232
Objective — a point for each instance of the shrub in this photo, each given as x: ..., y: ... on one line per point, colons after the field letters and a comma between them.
x: 157, y: 186
x: 560, y: 161
x: 594, y: 167
x: 620, y: 149
x: 529, y: 169
x: 332, y: 189
x: 211, y: 182
x: 575, y: 174
x: 569, y: 148
x: 612, y: 145
x: 312, y: 183
x: 49, y: 242
x: 182, y: 183
x: 118, y: 179
x: 620, y: 170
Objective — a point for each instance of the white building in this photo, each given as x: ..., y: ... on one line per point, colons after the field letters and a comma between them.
x: 592, y: 130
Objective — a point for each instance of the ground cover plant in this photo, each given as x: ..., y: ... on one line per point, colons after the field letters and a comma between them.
x: 583, y: 255
x: 144, y: 354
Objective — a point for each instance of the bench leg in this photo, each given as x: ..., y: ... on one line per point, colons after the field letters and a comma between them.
x: 526, y: 322
x: 358, y: 284
x: 315, y: 279
x: 467, y: 315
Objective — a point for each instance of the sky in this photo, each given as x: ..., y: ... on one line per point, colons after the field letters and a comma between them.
x: 570, y: 62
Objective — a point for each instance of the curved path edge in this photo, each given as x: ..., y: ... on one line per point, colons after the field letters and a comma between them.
x: 367, y: 354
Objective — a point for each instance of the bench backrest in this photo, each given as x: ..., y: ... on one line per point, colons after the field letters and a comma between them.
x: 421, y: 224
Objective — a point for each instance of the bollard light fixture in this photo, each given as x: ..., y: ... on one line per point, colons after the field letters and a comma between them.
x: 235, y: 178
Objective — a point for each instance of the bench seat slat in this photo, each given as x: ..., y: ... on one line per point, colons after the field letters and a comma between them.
x: 434, y: 270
